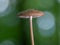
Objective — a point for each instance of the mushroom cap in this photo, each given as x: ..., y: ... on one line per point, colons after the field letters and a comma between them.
x: 30, y: 12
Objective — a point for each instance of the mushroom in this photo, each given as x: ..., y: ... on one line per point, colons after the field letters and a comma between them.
x: 30, y: 13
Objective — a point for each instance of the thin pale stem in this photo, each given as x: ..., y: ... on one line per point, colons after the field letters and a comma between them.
x: 31, y: 31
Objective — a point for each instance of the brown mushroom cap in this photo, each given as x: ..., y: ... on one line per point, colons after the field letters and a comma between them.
x: 30, y: 12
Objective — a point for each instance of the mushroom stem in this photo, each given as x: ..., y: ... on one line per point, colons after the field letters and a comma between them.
x: 31, y: 31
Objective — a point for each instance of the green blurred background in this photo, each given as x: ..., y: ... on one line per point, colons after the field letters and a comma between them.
x: 16, y: 31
